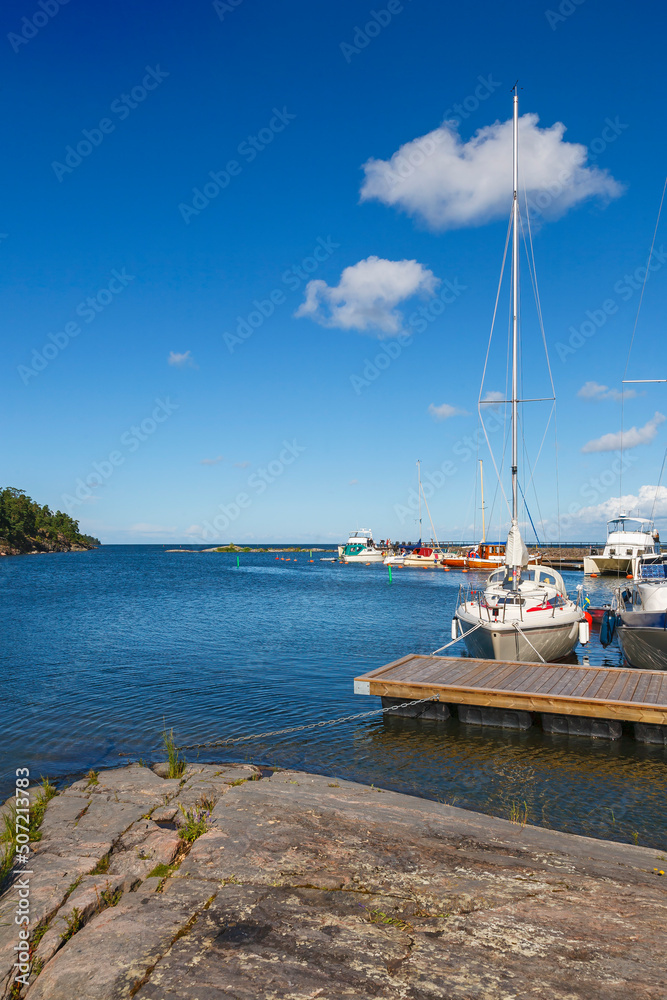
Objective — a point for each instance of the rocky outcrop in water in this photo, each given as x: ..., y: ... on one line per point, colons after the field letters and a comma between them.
x: 300, y: 886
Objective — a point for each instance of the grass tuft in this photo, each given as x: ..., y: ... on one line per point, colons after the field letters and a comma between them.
x: 519, y: 814
x: 378, y: 917
x: 38, y: 806
x: 39, y: 934
x: 102, y: 866
x: 109, y: 898
x: 73, y: 886
x: 175, y: 761
x: 162, y: 871
x: 93, y: 778
x: 196, y: 823
x: 74, y: 924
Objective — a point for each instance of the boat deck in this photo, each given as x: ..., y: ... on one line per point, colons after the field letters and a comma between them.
x: 596, y: 692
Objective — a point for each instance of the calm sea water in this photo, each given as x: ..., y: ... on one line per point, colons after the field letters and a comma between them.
x: 102, y: 649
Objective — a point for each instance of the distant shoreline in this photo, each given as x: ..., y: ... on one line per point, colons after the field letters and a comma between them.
x: 232, y: 549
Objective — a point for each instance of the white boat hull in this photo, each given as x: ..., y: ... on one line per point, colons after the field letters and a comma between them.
x: 394, y: 560
x: 420, y: 562
x: 365, y: 557
x: 552, y: 638
x: 609, y: 565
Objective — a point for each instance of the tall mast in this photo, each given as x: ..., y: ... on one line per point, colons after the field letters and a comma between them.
x: 419, y: 492
x: 515, y: 305
x: 481, y: 483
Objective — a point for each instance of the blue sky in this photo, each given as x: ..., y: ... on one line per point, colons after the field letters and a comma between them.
x: 293, y: 431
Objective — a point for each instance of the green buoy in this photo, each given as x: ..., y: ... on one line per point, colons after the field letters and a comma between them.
x: 237, y: 562
x: 389, y: 568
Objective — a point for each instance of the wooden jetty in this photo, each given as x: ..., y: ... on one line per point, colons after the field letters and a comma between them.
x: 572, y: 699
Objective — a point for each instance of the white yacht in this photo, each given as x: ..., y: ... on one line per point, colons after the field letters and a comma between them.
x: 628, y: 539
x: 361, y: 548
x: 523, y: 613
x: 640, y: 611
x: 360, y: 537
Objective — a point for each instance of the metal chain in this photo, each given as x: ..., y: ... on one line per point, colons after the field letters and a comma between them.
x: 311, y: 725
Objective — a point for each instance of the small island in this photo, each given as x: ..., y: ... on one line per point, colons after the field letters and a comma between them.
x: 28, y: 528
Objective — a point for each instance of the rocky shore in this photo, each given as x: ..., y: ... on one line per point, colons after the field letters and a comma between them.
x: 231, y: 882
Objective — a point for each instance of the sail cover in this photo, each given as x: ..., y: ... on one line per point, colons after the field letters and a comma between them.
x: 516, y: 553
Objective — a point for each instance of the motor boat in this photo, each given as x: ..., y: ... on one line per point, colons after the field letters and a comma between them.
x: 640, y: 615
x: 360, y: 548
x: 628, y: 539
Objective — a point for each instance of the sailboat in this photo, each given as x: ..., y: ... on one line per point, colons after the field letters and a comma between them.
x: 524, y: 612
x: 421, y: 556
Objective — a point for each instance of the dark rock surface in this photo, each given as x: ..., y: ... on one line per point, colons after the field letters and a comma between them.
x: 305, y: 887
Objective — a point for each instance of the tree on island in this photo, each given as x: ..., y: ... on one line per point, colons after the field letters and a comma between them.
x: 26, y: 526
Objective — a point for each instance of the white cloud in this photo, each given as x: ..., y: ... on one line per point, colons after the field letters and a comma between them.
x: 366, y: 297
x: 181, y: 360
x: 595, y: 391
x: 241, y: 465
x: 492, y: 399
x: 353, y: 482
x: 631, y: 438
x: 637, y: 505
x: 444, y: 411
x: 211, y: 461
x: 448, y: 183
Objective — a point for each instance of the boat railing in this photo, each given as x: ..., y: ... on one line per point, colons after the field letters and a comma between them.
x: 469, y: 594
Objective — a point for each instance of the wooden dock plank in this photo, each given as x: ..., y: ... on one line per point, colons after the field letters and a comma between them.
x: 426, y: 669
x: 581, y: 686
x: 642, y: 688
x: 602, y: 692
x: 528, y: 682
x: 653, y: 689
x: 499, y: 677
x: 608, y: 683
x: 519, y: 677
x: 487, y: 672
x: 550, y: 680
